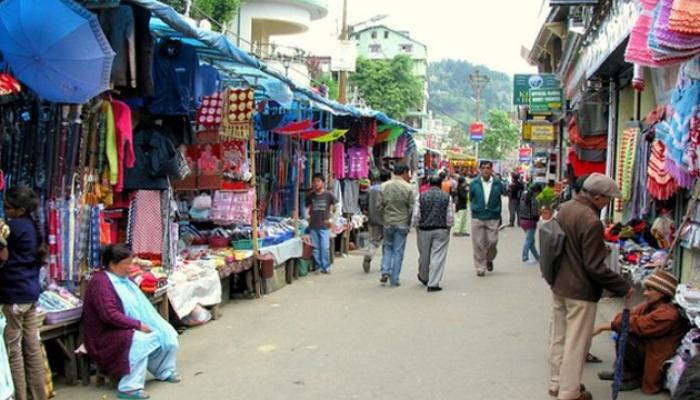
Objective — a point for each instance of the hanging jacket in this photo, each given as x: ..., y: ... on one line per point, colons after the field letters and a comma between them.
x: 156, y: 160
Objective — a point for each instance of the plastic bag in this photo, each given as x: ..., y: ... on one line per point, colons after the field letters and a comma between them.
x: 198, y: 316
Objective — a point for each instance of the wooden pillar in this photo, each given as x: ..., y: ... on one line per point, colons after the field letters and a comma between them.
x: 255, y: 216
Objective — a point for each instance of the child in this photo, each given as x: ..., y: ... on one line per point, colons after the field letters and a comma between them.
x: 19, y: 293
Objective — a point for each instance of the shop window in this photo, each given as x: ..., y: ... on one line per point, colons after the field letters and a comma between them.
x: 406, y: 48
x: 386, y: 34
x: 375, y: 48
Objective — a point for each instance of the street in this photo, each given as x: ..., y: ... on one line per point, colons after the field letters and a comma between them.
x: 344, y: 336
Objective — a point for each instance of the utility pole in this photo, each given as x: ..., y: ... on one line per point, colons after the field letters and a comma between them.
x: 343, y: 75
x: 478, y: 82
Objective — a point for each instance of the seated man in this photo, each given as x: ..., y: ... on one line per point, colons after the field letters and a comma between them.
x: 656, y: 329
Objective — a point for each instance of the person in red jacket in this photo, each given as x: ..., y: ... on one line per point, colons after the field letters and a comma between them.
x: 656, y: 329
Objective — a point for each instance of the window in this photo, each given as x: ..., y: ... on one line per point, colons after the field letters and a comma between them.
x: 374, y: 35
x: 358, y: 36
x: 406, y: 48
x: 375, y: 48
x: 386, y: 34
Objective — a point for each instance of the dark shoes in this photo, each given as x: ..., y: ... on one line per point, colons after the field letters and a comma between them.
x: 424, y: 282
x: 384, y: 278
x: 366, y: 265
x: 632, y: 384
x: 606, y: 375
x: 326, y: 271
x: 434, y: 288
x: 489, y: 266
x: 480, y: 273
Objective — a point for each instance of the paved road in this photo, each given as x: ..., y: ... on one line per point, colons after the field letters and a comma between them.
x: 344, y: 336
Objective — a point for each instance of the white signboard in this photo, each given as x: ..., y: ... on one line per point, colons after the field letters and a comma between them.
x: 345, y: 56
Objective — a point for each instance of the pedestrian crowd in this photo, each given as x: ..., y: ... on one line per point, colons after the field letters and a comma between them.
x: 445, y: 204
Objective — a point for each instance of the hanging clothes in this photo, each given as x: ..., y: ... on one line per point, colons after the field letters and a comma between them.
x: 660, y: 184
x: 175, y: 67
x: 339, y: 170
x: 146, y: 222
x: 126, y: 157
x: 119, y: 28
x: 358, y: 163
x: 351, y: 197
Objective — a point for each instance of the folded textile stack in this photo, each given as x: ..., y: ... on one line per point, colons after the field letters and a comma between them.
x: 688, y: 298
x: 689, y: 348
x: 60, y: 305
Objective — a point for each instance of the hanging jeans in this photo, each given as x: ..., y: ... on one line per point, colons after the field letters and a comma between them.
x: 393, y: 251
x: 158, y: 361
x: 529, y: 245
x: 321, y: 240
x: 24, y: 350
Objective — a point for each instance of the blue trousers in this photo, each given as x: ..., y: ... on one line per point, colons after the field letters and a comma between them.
x: 158, y: 361
x: 321, y: 240
x: 529, y: 245
x: 393, y: 251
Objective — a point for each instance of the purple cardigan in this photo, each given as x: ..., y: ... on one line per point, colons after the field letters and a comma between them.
x: 108, y: 331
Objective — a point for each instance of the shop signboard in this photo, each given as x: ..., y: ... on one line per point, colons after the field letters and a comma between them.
x: 524, y: 83
x: 543, y: 101
x: 525, y: 155
x: 542, y: 133
x: 476, y: 132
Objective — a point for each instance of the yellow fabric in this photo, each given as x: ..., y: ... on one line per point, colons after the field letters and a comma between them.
x: 331, y: 136
x: 112, y: 156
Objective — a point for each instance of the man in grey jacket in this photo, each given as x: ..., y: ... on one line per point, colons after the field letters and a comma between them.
x: 396, y: 208
x: 578, y: 286
x: 375, y: 221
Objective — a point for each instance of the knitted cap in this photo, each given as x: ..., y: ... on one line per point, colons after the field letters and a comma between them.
x: 662, y: 281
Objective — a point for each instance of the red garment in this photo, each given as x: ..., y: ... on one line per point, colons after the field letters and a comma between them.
x: 661, y: 328
x: 588, y: 142
x: 125, y: 140
x: 584, y: 167
x: 660, y: 183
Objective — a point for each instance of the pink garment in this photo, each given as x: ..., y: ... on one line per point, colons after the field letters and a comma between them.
x: 638, y: 51
x: 338, y: 160
x: 125, y: 140
x: 358, y: 160
x: 401, y: 144
x: 147, y: 224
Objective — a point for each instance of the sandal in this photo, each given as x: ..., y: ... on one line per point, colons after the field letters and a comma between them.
x: 173, y: 378
x: 136, y: 394
x: 590, y: 358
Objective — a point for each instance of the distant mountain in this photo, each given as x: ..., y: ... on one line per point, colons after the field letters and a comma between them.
x: 451, y: 94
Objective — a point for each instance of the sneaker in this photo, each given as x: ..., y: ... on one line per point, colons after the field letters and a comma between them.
x: 384, y: 278
x: 434, y: 288
x: 366, y: 264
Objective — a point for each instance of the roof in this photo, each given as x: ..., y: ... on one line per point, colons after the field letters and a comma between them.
x: 371, y: 28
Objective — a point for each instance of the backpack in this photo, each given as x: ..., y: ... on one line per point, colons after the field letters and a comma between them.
x: 552, y: 239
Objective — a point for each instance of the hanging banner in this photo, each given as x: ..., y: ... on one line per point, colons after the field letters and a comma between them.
x: 476, y: 132
x: 525, y: 155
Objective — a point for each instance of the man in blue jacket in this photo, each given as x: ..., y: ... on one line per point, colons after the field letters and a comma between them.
x: 485, y: 195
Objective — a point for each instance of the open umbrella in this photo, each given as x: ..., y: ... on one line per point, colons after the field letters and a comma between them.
x: 56, y: 47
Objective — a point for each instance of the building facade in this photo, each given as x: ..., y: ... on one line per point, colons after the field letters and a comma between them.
x: 383, y: 43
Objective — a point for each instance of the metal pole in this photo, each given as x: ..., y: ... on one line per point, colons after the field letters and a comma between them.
x: 343, y: 75
x: 478, y: 82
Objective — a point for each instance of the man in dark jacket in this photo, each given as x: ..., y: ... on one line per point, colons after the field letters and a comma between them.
x: 485, y: 196
x: 579, y: 284
x: 433, y: 216
x: 514, y: 191
x: 375, y: 221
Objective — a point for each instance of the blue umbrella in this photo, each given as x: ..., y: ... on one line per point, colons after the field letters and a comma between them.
x: 56, y: 47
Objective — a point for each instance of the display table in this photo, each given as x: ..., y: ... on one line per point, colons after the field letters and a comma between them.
x: 65, y: 335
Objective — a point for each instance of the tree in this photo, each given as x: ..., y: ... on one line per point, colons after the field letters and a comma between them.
x: 388, y: 85
x: 500, y: 138
x: 217, y: 11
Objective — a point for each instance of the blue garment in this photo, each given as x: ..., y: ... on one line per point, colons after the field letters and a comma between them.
x: 137, y: 306
x: 159, y: 362
x: 321, y: 240
x: 19, y: 276
x: 393, y: 252
x: 175, y: 67
x: 529, y: 245
x: 206, y: 82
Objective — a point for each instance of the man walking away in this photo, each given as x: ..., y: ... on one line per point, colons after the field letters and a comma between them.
x: 462, y: 218
x: 579, y: 284
x: 396, y: 207
x: 376, y: 222
x: 485, y: 196
x: 514, y: 191
x: 433, y: 216
x: 320, y: 206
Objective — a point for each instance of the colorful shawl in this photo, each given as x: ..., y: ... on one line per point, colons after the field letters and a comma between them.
x: 660, y: 183
x: 662, y: 54
x: 626, y: 163
x: 685, y: 16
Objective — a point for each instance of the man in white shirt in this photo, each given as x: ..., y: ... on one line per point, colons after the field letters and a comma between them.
x: 485, y: 195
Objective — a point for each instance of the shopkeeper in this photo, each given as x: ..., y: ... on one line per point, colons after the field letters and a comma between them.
x: 19, y: 293
x: 124, y: 334
x: 655, y: 331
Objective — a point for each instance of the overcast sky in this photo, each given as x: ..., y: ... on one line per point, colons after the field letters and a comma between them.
x: 489, y: 32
